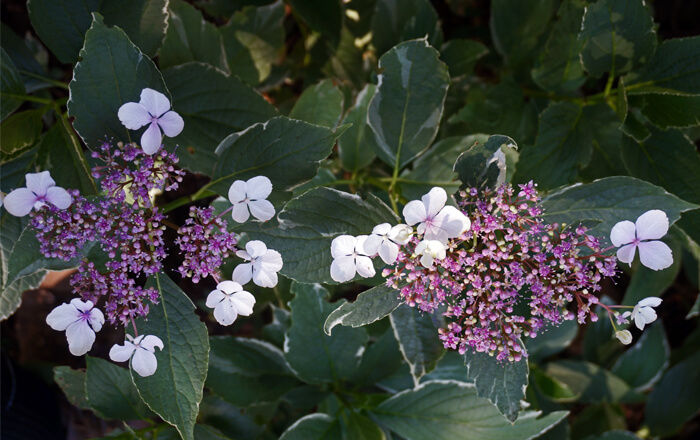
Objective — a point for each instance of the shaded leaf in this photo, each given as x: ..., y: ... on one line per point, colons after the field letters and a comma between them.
x: 484, y: 165
x: 111, y: 392
x: 324, y: 16
x: 591, y: 382
x: 320, y: 104
x: 11, y: 86
x: 461, y: 55
x: 418, y: 340
x: 72, y: 383
x: 353, y: 147
x: 395, y: 21
x: 643, y: 364
x: 370, y: 306
x: 317, y: 426
x: 674, y: 68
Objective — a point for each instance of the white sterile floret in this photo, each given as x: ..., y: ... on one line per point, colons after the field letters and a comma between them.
x: 643, y: 234
x: 435, y: 220
x: 153, y: 110
x: 248, y: 197
x: 141, y: 351
x: 41, y: 189
x: 385, y: 241
x: 643, y: 313
x: 80, y: 320
x: 263, y: 267
x: 230, y: 300
x: 350, y: 256
x: 430, y: 250
x: 624, y: 336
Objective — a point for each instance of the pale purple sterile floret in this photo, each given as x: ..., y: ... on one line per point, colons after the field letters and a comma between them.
x: 141, y: 352
x: 435, y: 220
x: 230, y: 300
x: 263, y: 265
x: 249, y: 197
x: 80, y: 320
x: 350, y: 257
x: 41, y: 190
x: 153, y: 110
x: 643, y: 235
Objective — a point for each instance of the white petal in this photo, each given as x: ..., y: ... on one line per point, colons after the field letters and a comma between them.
x: 214, y: 298
x: 244, y: 302
x: 150, y: 342
x: 373, y: 242
x: 20, y: 202
x: 382, y: 229
x: 421, y: 247
x: 133, y: 115
x: 226, y: 312
x: 242, y: 273
x: 259, y: 187
x: 343, y: 269
x: 388, y: 251
x: 144, y: 362
x: 414, y: 212
x: 652, y: 225
x: 243, y: 254
x: 256, y: 248
x: 62, y: 316
x: 271, y: 261
x: 97, y: 319
x: 59, y: 197
x: 400, y: 234
x: 119, y: 353
x: 650, y: 301
x: 364, y: 267
x: 360, y: 245
x: 648, y: 314
x: 434, y: 201
x: 450, y: 222
x: 80, y: 337
x: 264, y: 278
x: 426, y: 260
x: 150, y: 139
x: 39, y: 183
x: 655, y: 255
x: 626, y: 253
x: 639, y: 321
x: 624, y: 336
x: 171, y: 123
x: 261, y: 209
x: 343, y: 245
x: 229, y: 287
x: 155, y: 102
x: 237, y: 191
x: 240, y: 212
x: 622, y: 233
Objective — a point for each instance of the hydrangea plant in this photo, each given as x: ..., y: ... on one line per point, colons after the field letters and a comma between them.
x: 356, y: 219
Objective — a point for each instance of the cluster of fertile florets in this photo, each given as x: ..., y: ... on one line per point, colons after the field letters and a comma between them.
x: 494, y: 268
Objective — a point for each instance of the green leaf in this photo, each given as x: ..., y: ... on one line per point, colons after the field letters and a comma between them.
x: 618, y: 36
x: 600, y: 345
x: 670, y: 111
x: 565, y: 142
x: 461, y: 56
x: 610, y: 200
x: 695, y: 310
x: 449, y: 410
x: 642, y: 365
x: 551, y: 340
x: 484, y: 165
x: 23, y: 58
x: 551, y: 387
x: 247, y: 371
x: 11, y: 86
x: 405, y: 112
x: 111, y: 392
x: 285, y: 150
x: 370, y: 306
x: 614, y: 435
x: 201, y: 432
x: 275, y: 330
x: 435, y: 167
x: 558, y: 68
x: 591, y: 382
x: 191, y: 38
x: 72, y: 383
x: 674, y: 68
x: 635, y: 128
x: 314, y: 356
x: 324, y: 16
x: 395, y: 21
x: 519, y: 28
x: 354, y: 148
x: 213, y: 106
x: 359, y: 427
x: 418, y: 340
x: 254, y: 39
x: 175, y: 389
x: 231, y: 420
x: 114, y: 70
x: 597, y: 419
x: 19, y: 133
x: 309, y: 223
x: 381, y: 359
x: 320, y: 104
x: 313, y: 427
x: 503, y: 383
x: 675, y: 399
x: 144, y: 21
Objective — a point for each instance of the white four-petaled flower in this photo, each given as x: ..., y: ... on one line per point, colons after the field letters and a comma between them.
x: 153, y: 110
x: 230, y: 300
x: 350, y: 256
x: 80, y: 320
x: 643, y: 313
x: 624, y: 336
x: 435, y: 220
x: 643, y: 234
x: 263, y: 267
x: 141, y: 351
x: 248, y: 197
x: 41, y: 188
x: 430, y: 250
x: 385, y: 241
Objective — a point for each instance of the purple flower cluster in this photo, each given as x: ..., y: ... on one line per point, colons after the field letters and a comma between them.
x: 509, y: 257
x: 125, y: 225
x: 204, y: 242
